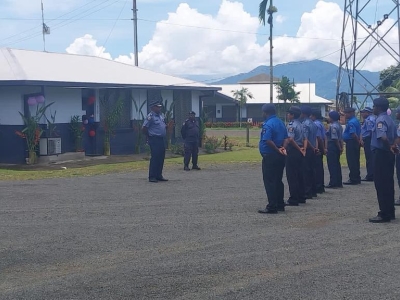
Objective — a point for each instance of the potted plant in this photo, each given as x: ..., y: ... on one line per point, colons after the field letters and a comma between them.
x: 77, y: 130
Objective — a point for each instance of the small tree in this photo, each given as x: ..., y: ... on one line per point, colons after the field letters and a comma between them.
x: 169, y: 121
x: 137, y: 125
x: 241, y: 96
x: 286, y: 92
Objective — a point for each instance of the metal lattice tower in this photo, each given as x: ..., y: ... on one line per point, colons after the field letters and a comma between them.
x: 361, y: 36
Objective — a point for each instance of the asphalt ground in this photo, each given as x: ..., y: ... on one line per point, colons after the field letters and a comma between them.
x: 198, y: 236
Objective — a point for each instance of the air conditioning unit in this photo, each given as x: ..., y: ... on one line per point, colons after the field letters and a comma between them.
x: 50, y: 146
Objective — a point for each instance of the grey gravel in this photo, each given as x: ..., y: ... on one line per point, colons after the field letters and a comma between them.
x: 198, y: 236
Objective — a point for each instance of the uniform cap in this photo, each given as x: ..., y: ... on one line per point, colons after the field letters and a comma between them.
x: 367, y: 109
x: 316, y: 112
x: 349, y: 110
x: 381, y: 102
x: 334, y: 115
x: 268, y: 108
x: 155, y: 103
x: 192, y: 113
x: 294, y: 110
x: 306, y: 110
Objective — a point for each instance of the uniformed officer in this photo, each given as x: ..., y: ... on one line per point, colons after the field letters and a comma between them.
x: 316, y: 117
x: 396, y: 148
x: 190, y: 132
x: 365, y: 140
x: 154, y: 128
x: 294, y: 146
x: 273, y: 135
x: 351, y: 137
x: 333, y: 150
x: 383, y: 137
x: 310, y: 135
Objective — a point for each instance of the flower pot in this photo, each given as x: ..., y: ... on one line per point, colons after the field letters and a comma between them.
x: 32, y: 158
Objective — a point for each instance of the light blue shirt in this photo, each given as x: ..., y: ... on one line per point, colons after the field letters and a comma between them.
x: 295, y: 131
x: 368, y: 126
x: 310, y: 131
x: 274, y: 130
x: 155, y: 124
x: 384, y: 127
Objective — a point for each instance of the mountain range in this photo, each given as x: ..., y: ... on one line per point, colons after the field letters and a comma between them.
x: 323, y: 74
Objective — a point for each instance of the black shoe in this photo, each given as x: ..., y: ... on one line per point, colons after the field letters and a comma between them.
x: 321, y: 191
x: 186, y: 168
x: 309, y: 197
x: 315, y: 195
x: 196, y: 168
x: 367, y: 179
x: 289, y: 203
x: 379, y: 219
x: 330, y: 186
x: 397, y: 202
x: 162, y: 179
x: 280, y: 209
x: 267, y: 211
x: 349, y: 182
x: 302, y: 201
x: 153, y: 180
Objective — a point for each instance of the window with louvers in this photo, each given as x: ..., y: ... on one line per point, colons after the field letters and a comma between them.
x: 183, y: 104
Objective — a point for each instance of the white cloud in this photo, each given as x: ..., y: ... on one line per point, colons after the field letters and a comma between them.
x: 280, y: 19
x: 225, y: 44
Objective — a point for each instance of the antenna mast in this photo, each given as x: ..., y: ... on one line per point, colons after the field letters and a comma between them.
x: 45, y: 28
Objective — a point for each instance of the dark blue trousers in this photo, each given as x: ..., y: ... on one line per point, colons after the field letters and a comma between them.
x: 273, y: 165
x: 191, y: 148
x: 368, y: 158
x: 398, y: 169
x: 384, y: 181
x: 309, y: 173
x: 353, y: 160
x: 157, y: 149
x: 334, y: 167
x: 294, y: 175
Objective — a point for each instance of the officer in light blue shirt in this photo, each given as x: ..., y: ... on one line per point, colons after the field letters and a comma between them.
x: 365, y: 140
x: 310, y: 135
x: 396, y: 150
x: 351, y: 137
x: 316, y: 117
x: 294, y: 145
x: 273, y: 135
x: 154, y: 128
x: 333, y: 150
x: 383, y: 137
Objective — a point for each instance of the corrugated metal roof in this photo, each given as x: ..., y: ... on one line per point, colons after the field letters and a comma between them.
x: 33, y: 67
x: 260, y: 78
x: 261, y: 93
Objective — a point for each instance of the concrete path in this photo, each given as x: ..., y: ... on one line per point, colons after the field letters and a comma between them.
x: 198, y: 236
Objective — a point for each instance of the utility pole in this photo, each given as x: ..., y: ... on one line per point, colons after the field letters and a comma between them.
x: 45, y: 28
x: 271, y: 68
x: 135, y: 37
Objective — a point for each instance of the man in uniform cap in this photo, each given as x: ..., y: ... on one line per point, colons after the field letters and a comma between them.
x: 365, y: 140
x: 351, y: 137
x: 310, y: 134
x: 294, y: 146
x: 190, y: 132
x: 154, y: 128
x: 319, y: 162
x: 273, y: 135
x: 333, y: 150
x: 383, y: 137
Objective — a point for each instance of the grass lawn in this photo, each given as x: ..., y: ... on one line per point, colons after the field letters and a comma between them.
x: 240, y: 154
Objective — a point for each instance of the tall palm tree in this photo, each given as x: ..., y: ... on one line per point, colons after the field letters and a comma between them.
x: 241, y: 96
x: 286, y: 91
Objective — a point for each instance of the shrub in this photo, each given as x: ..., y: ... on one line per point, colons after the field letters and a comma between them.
x: 177, y: 149
x: 211, y: 144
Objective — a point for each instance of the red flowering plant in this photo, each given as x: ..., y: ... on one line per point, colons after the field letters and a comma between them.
x: 32, y: 131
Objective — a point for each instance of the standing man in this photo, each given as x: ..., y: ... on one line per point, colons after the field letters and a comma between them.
x: 333, y: 150
x: 396, y: 150
x: 351, y: 137
x: 190, y: 132
x: 154, y: 128
x: 383, y: 137
x: 310, y: 134
x: 365, y: 141
x: 273, y: 135
x: 316, y: 117
x: 294, y: 145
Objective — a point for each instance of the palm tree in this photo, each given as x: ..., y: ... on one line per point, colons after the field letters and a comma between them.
x: 394, y: 96
x: 241, y: 96
x: 286, y: 91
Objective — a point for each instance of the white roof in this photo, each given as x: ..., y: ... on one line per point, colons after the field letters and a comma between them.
x: 261, y: 93
x: 71, y: 70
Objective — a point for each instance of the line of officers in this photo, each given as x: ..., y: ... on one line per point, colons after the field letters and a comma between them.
x: 301, y: 145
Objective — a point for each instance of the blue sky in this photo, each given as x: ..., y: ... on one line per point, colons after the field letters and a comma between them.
x: 103, y: 28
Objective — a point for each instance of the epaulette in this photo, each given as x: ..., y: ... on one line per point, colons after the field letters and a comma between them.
x: 149, y: 116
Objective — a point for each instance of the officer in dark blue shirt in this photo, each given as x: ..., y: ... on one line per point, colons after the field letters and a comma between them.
x: 396, y: 150
x: 190, y: 132
x: 383, y: 137
x: 333, y: 150
x: 310, y: 135
x: 273, y: 135
x: 154, y: 128
x: 365, y: 140
x: 351, y: 137
x: 295, y: 157
x: 316, y: 117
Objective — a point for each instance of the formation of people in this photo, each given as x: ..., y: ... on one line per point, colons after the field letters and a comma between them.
x: 155, y: 130
x: 301, y: 145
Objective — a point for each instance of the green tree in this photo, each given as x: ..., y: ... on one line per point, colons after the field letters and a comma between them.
x: 388, y: 77
x: 286, y: 91
x: 241, y: 96
x: 263, y: 11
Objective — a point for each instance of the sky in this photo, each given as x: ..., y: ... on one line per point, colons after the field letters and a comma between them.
x: 210, y: 37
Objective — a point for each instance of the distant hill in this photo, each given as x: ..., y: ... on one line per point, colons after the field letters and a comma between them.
x: 322, y: 73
